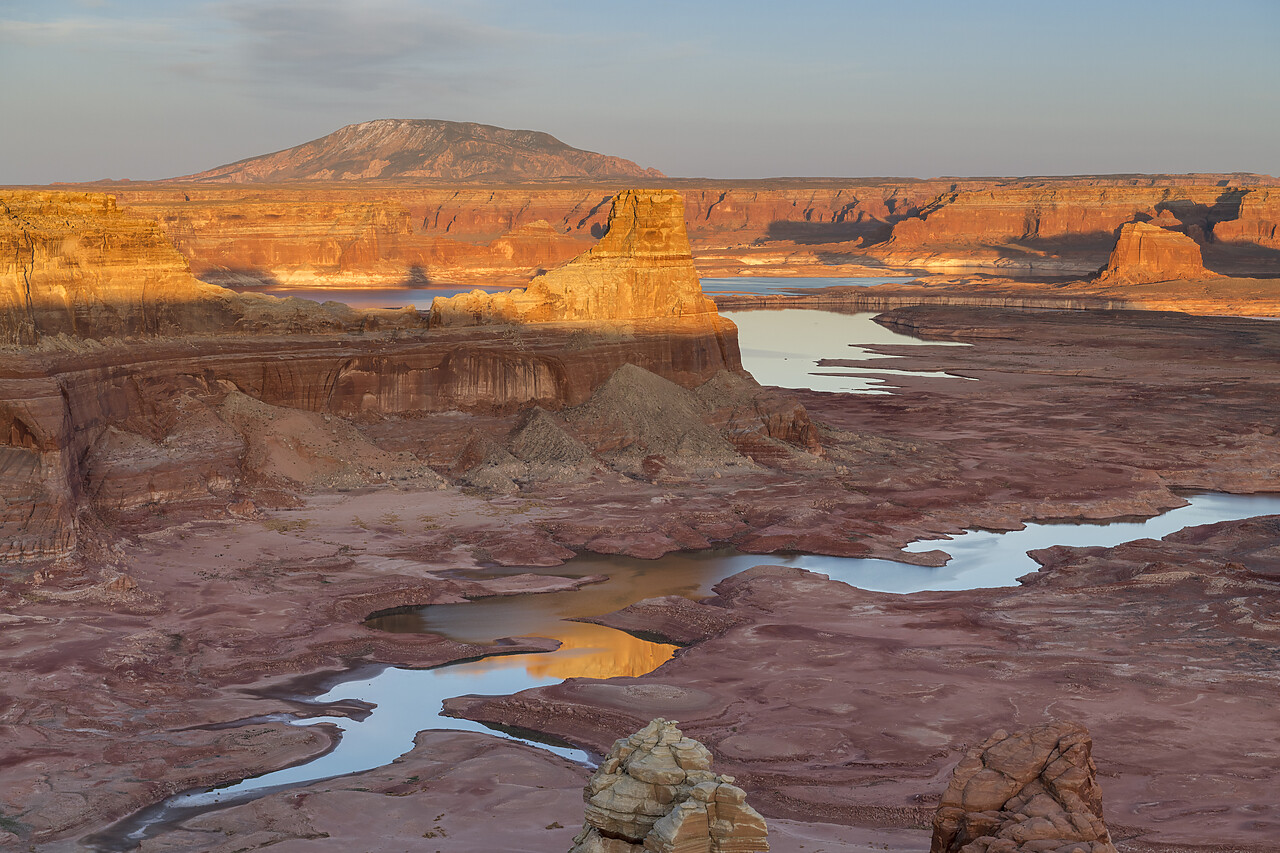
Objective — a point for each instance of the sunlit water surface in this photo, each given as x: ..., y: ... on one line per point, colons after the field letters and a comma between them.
x: 786, y: 348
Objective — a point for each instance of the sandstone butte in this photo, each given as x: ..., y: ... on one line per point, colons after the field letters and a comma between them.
x: 426, y: 148
x: 642, y: 269
x: 1146, y: 253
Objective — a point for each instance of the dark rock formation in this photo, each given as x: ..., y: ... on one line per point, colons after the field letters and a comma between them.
x: 1031, y: 792
x: 1147, y: 253
x: 655, y: 793
x: 426, y: 148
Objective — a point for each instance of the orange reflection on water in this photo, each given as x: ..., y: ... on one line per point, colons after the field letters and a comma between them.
x: 587, y: 651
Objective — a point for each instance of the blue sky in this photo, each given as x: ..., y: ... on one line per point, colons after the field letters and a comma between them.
x: 142, y: 89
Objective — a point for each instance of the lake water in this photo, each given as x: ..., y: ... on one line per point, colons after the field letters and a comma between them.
x: 408, y: 701
x: 787, y: 347
x: 759, y: 284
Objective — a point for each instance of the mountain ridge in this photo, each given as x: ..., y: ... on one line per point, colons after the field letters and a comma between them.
x: 427, y: 149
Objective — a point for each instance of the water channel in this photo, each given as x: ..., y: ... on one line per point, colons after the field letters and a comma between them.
x: 407, y: 701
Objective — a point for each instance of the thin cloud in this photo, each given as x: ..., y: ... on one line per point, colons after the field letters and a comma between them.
x: 347, y: 45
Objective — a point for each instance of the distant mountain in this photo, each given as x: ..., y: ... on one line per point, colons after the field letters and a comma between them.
x: 426, y: 148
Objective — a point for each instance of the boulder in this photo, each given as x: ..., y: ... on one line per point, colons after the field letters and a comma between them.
x: 1035, y: 791
x: 655, y: 793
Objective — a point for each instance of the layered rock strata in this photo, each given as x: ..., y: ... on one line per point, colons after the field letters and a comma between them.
x: 391, y: 234
x: 75, y: 264
x: 642, y: 269
x: 1031, y: 792
x: 1147, y: 253
x: 655, y: 792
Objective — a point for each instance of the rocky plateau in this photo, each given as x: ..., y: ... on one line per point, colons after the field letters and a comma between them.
x: 205, y: 494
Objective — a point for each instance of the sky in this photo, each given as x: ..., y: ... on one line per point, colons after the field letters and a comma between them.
x: 146, y: 89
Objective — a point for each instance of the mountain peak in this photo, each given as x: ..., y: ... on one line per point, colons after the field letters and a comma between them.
x: 425, y: 149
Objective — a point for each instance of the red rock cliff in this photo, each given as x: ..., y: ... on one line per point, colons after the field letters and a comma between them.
x: 73, y: 263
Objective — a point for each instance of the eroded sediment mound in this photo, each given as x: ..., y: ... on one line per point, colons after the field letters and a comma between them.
x: 642, y: 269
x: 638, y: 413
x: 1031, y: 792
x: 655, y: 793
x: 1147, y: 253
x: 426, y: 148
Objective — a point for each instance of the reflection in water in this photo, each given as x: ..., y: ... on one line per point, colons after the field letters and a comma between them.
x: 784, y: 348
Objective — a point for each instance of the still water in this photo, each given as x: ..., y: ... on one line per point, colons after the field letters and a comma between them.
x: 786, y: 348
x: 408, y: 701
x: 759, y: 284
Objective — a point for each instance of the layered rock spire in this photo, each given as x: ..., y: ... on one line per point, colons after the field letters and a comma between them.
x: 642, y: 269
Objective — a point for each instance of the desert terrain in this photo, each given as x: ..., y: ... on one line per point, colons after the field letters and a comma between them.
x: 207, y: 491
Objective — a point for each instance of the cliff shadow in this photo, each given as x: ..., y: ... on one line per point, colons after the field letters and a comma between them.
x: 818, y: 233
x: 1088, y: 247
x: 240, y: 278
x: 416, y: 278
x: 1196, y: 215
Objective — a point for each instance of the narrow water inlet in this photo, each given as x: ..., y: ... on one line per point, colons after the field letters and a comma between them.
x: 408, y: 701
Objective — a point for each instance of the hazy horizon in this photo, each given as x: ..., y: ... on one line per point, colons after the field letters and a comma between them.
x: 922, y: 88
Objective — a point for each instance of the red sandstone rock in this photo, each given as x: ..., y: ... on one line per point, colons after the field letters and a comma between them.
x: 1258, y: 222
x: 642, y: 269
x: 75, y: 264
x: 655, y: 793
x: 1148, y: 253
x: 1024, y: 793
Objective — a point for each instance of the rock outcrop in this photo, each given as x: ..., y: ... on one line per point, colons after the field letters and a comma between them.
x: 642, y: 269
x: 1147, y: 253
x: 75, y: 264
x: 426, y: 148
x: 1258, y: 222
x: 655, y: 792
x: 1031, y: 792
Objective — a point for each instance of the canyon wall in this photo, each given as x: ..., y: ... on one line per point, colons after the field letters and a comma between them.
x: 390, y: 234
x: 72, y: 263
x: 121, y: 371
